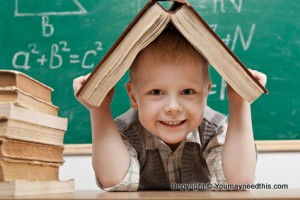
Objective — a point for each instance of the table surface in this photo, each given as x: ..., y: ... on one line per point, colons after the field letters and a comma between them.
x: 182, y: 195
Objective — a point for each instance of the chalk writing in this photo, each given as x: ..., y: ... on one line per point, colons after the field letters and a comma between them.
x: 42, y: 60
x: 57, y: 57
x: 47, y: 29
x: 219, y: 92
x: 86, y: 55
x: 238, y: 35
x: 219, y: 6
x: 55, y: 10
x: 64, y: 45
x: 24, y: 57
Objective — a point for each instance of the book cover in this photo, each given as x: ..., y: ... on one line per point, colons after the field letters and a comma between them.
x: 9, y: 78
x: 22, y: 150
x: 22, y: 130
x: 22, y: 99
x: 9, y: 110
x: 15, y: 169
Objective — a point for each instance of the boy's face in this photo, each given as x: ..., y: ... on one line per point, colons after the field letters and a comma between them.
x: 170, y: 98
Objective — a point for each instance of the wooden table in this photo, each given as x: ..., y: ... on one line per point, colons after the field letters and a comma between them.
x: 253, y: 194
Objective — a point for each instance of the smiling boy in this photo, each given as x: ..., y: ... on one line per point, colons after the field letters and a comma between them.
x: 170, y: 135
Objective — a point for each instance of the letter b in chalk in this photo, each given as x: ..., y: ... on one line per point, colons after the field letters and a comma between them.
x: 48, y: 29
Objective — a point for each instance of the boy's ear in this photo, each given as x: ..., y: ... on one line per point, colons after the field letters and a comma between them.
x: 131, y: 95
x: 208, y: 87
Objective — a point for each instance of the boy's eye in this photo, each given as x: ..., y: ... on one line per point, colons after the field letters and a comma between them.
x: 187, y: 92
x: 156, y: 92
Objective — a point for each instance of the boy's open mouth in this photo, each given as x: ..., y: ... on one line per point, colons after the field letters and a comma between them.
x: 173, y: 123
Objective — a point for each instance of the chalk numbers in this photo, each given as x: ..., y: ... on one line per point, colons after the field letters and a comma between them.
x: 58, y: 55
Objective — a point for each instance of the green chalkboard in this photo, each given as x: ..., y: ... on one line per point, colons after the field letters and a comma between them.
x: 58, y: 40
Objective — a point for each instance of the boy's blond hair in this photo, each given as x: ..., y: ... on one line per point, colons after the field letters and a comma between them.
x: 171, y: 47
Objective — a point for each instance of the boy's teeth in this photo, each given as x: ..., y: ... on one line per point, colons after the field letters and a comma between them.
x: 172, y: 123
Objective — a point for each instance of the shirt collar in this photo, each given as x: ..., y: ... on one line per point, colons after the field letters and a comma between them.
x: 153, y: 142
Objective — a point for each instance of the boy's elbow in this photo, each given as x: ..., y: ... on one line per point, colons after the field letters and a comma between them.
x: 108, y: 184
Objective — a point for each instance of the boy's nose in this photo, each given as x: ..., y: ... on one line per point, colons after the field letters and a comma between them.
x: 173, y: 106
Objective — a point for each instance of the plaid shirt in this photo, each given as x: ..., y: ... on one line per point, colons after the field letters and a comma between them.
x: 171, y: 160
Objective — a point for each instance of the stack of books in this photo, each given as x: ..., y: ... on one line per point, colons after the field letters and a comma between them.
x: 31, y: 138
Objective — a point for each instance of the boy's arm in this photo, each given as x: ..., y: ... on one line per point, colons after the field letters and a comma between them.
x: 110, y: 156
x: 239, y: 155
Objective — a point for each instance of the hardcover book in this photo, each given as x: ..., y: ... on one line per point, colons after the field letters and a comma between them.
x: 22, y: 99
x: 9, y: 78
x: 22, y: 150
x: 147, y: 26
x: 9, y: 110
x: 20, y: 130
x: 29, y: 125
x: 17, y: 188
x: 14, y: 169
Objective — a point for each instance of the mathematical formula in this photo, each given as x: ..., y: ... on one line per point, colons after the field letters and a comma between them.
x: 59, y: 54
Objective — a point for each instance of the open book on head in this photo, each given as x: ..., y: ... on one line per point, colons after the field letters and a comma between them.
x: 146, y: 27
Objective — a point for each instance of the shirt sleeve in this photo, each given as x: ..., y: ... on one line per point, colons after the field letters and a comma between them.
x: 213, y: 154
x: 131, y: 180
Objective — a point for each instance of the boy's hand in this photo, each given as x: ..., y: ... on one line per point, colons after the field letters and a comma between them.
x: 234, y: 96
x: 78, y: 82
